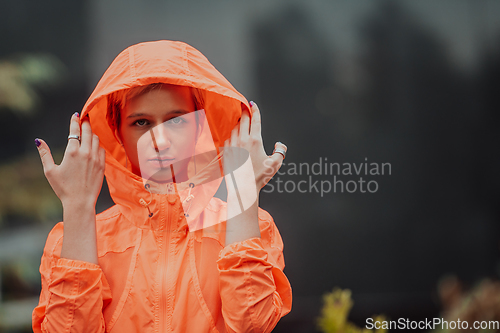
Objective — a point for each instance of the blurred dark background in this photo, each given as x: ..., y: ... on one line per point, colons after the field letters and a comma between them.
x: 410, y: 83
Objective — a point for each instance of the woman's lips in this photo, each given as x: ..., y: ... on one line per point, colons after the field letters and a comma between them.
x: 160, y: 162
x: 161, y: 158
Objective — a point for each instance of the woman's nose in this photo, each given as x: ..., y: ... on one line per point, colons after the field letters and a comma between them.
x: 160, y: 138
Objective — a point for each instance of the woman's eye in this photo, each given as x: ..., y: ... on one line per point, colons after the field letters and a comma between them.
x: 176, y: 120
x: 141, y: 122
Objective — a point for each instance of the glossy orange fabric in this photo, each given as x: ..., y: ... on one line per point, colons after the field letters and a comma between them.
x: 155, y: 274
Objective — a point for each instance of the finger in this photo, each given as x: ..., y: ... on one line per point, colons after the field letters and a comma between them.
x: 74, y: 129
x: 95, y: 146
x: 86, y: 136
x: 255, y: 129
x: 245, y: 126
x: 234, y: 136
x: 225, y: 151
x: 278, y: 158
x: 45, y: 155
x: 102, y: 157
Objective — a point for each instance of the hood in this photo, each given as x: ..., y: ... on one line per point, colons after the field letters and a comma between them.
x: 177, y: 63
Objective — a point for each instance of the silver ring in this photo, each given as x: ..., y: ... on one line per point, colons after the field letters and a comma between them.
x: 280, y: 151
x: 74, y: 137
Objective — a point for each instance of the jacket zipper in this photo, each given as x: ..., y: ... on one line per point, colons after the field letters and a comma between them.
x: 164, y: 273
x: 164, y: 287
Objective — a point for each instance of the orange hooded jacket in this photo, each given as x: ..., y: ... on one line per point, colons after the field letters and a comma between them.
x: 156, y: 272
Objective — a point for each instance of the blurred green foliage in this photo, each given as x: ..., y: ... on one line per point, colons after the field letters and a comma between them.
x: 23, y: 73
x: 25, y: 192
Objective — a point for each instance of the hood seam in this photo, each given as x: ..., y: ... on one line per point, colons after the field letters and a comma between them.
x: 187, y: 70
x: 131, y: 59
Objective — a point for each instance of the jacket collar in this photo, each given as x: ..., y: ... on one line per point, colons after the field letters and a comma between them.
x: 161, y: 207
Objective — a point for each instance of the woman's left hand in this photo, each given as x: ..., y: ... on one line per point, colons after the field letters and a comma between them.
x: 247, y: 135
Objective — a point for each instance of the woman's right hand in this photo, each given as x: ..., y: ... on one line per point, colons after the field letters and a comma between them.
x: 78, y: 179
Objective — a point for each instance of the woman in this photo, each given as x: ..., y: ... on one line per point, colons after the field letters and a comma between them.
x: 169, y: 256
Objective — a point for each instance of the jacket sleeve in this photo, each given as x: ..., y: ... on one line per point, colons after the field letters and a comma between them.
x: 255, y: 293
x: 73, y: 294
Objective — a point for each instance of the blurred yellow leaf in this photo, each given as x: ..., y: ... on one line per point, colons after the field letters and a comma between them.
x: 335, y: 311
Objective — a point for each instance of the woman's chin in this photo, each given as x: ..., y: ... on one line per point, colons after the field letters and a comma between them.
x: 158, y: 176
x: 163, y: 173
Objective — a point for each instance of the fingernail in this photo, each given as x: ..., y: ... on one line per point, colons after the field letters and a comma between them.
x: 252, y: 103
x: 77, y: 114
x: 38, y: 142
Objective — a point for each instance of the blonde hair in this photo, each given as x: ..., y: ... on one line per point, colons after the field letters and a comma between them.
x: 118, y: 99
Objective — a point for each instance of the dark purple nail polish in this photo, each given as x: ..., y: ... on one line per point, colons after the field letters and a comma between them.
x: 77, y: 114
x: 38, y: 142
x: 252, y: 103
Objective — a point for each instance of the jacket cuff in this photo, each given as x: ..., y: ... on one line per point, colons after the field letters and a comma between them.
x: 71, y: 263
x: 71, y: 277
x: 78, y: 291
x: 247, y: 244
x: 235, y: 254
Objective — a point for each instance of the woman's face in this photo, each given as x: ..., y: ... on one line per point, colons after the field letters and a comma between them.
x: 158, y: 129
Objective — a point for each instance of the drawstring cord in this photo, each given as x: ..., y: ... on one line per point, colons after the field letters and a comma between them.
x: 146, y: 204
x: 170, y: 188
x: 189, y: 199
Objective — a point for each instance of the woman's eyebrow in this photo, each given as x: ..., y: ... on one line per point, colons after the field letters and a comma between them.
x: 142, y: 114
